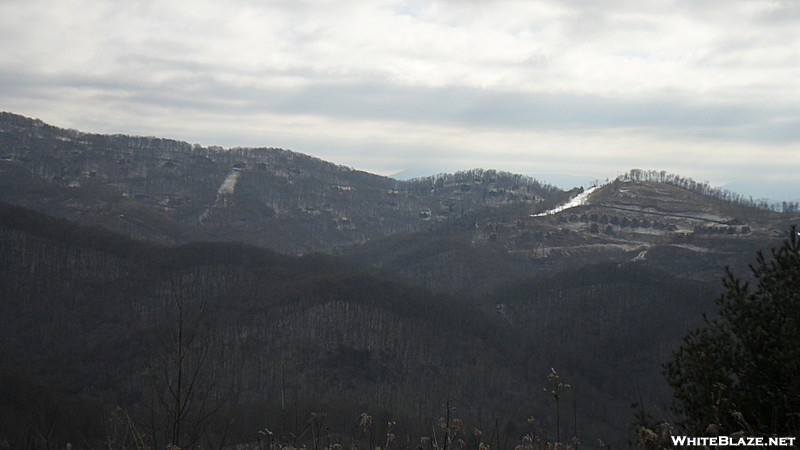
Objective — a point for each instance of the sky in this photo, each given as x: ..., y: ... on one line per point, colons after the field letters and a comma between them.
x: 565, y: 91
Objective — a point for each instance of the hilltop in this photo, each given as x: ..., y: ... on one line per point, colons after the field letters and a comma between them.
x: 651, y: 223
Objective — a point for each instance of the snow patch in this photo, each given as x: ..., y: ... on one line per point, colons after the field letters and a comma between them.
x: 641, y: 255
x: 693, y: 248
x: 578, y: 200
x: 229, y: 184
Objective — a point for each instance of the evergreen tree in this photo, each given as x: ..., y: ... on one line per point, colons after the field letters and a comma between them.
x: 741, y: 371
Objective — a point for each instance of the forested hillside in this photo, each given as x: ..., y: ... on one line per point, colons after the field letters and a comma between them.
x: 281, y: 337
x: 177, y: 293
x: 174, y: 192
x: 648, y: 223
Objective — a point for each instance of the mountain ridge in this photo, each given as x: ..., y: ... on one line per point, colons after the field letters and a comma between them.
x: 171, y: 191
x: 646, y: 222
x: 465, y: 287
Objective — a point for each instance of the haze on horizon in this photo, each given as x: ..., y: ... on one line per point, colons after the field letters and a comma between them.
x: 560, y: 90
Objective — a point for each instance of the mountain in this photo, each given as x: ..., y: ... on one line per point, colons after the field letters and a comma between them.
x: 649, y: 223
x: 461, y: 289
x: 173, y: 192
x: 96, y: 316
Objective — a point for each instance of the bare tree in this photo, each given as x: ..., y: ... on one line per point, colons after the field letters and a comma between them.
x: 185, y: 397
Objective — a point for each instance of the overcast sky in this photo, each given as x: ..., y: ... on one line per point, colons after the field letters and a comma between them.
x: 566, y: 91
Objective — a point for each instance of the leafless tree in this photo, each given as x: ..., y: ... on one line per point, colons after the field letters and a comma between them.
x: 186, y: 398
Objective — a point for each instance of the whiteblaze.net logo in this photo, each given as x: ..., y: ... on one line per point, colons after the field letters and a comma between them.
x: 726, y: 441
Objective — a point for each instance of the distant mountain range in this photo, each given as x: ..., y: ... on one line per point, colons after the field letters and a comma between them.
x: 319, y: 288
x: 170, y: 191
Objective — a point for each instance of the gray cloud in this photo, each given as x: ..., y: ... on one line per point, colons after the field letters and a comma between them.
x: 437, y: 84
x: 467, y: 107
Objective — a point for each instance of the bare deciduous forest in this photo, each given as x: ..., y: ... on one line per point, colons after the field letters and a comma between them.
x: 156, y: 293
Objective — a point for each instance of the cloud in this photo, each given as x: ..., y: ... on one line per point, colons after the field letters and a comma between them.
x: 437, y: 83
